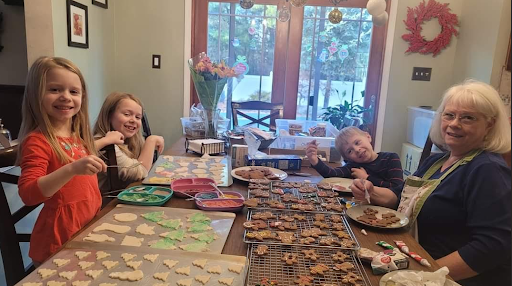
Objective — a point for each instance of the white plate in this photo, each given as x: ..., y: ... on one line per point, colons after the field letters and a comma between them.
x: 281, y: 174
x: 357, y: 211
x: 383, y: 279
x: 339, y: 181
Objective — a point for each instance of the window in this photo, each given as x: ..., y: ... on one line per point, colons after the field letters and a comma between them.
x: 306, y: 63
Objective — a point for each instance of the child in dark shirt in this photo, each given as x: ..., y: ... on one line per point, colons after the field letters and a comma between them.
x: 383, y: 169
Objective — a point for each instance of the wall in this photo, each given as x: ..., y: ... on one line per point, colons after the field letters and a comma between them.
x: 401, y: 90
x: 13, y: 58
x: 483, y: 40
x: 144, y: 29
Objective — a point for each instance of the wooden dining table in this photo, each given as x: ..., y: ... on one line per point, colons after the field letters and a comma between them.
x: 236, y: 246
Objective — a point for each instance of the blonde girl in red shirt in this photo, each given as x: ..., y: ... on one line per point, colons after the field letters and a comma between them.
x: 57, y: 156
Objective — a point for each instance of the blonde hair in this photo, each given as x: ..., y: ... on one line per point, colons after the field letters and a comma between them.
x: 484, y: 99
x: 35, y: 117
x: 344, y: 135
x: 133, y: 145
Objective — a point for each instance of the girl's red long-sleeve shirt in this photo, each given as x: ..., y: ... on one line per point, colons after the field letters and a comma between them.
x: 69, y: 209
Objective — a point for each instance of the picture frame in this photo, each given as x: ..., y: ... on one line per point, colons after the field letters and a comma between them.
x: 78, y: 25
x: 100, y: 3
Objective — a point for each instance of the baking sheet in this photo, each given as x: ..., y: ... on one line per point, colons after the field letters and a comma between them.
x: 147, y: 267
x: 295, y: 191
x: 271, y: 266
x: 301, y: 226
x: 167, y: 166
x: 221, y: 223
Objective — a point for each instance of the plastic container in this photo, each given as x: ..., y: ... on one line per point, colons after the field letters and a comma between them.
x: 191, y: 186
x: 145, y: 196
x: 210, y: 201
x: 418, y: 125
x: 193, y: 127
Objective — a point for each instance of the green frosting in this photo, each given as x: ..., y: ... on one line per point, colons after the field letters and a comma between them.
x: 195, y: 246
x: 171, y: 223
x: 206, y: 237
x: 168, y: 165
x: 199, y: 227
x: 154, y: 216
x: 200, y: 217
x: 176, y: 235
x: 165, y: 243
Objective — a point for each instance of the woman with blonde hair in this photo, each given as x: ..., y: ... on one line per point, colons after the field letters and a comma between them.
x: 459, y: 201
x: 57, y: 156
x: 119, y: 123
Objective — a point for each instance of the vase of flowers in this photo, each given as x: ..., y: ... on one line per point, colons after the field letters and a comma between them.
x: 209, y: 80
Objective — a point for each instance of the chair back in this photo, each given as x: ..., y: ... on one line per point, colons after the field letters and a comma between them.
x: 146, y: 132
x: 10, y: 240
x: 276, y: 112
x: 110, y: 159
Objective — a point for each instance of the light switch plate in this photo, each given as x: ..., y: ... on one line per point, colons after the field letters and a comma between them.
x: 156, y: 61
x: 421, y: 73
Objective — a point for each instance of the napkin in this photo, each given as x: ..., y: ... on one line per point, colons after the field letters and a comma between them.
x: 422, y: 278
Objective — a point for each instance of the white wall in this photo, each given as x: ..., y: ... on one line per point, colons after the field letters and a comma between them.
x: 13, y: 57
x: 401, y: 90
x: 143, y: 29
x: 483, y: 40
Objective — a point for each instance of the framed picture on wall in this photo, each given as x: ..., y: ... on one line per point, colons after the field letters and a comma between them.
x: 101, y: 3
x: 78, y: 25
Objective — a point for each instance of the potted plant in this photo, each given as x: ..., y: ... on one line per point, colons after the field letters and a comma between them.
x: 345, y: 114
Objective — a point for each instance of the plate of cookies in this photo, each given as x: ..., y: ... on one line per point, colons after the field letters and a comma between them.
x: 336, y: 184
x: 258, y: 173
x: 378, y: 217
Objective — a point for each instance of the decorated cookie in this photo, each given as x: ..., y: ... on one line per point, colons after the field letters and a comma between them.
x: 304, y: 280
x: 289, y: 258
x: 197, y: 246
x: 154, y: 216
x: 339, y: 256
x: 310, y: 254
x: 171, y: 223
x: 164, y: 243
x: 319, y: 269
x: 261, y: 250
x: 175, y: 234
x: 205, y: 237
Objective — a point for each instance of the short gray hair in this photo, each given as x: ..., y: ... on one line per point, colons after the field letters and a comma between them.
x: 484, y: 99
x: 344, y: 135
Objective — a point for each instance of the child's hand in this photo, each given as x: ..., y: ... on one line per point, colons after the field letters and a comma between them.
x: 359, y: 173
x: 158, y: 141
x: 311, y: 152
x: 358, y: 190
x: 114, y: 137
x: 89, y: 165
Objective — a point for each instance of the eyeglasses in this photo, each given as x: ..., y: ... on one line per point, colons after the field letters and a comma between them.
x: 464, y: 119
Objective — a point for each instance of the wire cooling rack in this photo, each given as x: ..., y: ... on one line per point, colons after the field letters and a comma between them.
x: 270, y: 266
x: 319, y: 203
x: 303, y: 225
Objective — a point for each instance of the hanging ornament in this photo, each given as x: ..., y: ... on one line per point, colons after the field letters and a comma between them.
x: 376, y: 7
x: 322, y: 38
x: 335, y: 16
x: 284, y: 13
x: 332, y: 49
x: 298, y: 3
x: 381, y: 19
x: 236, y: 42
x: 246, y: 4
x: 251, y: 30
x: 343, y: 53
x: 241, y: 67
x: 323, y: 56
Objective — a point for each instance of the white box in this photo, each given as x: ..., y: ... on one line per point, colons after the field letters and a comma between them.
x: 410, y: 158
x: 238, y: 153
x: 418, y: 125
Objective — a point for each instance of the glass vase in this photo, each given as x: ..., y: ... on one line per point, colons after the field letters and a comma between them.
x: 210, y: 118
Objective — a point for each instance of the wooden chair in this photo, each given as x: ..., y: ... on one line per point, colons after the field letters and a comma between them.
x: 113, y: 172
x: 276, y: 111
x: 146, y: 132
x: 10, y: 240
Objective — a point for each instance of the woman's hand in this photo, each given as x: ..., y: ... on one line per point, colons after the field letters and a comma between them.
x: 358, y: 189
x: 359, y: 173
x: 114, y: 137
x: 89, y: 165
x: 311, y: 152
x: 158, y: 142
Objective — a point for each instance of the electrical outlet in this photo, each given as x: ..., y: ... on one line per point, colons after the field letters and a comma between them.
x: 156, y: 61
x: 419, y: 73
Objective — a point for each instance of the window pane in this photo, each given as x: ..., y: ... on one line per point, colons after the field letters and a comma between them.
x: 213, y: 8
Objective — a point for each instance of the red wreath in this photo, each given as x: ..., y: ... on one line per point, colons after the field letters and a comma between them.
x: 417, y: 16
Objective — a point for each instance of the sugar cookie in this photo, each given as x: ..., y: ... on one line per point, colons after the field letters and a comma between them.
x: 200, y: 263
x: 145, y: 229
x: 184, y: 282
x: 134, y: 264
x: 108, y: 284
x: 128, y: 256
x: 125, y: 217
x: 170, y: 263
x: 80, y: 283
x: 81, y: 254
x: 151, y: 257
x: 215, y: 269
x: 174, y: 235
x: 112, y: 227
x: 94, y: 237
x: 171, y: 223
x: 69, y: 275
x: 127, y: 275
x: 132, y: 241
x: 183, y: 270
x: 55, y: 283
x: 60, y: 262
x: 226, y: 281
x: 109, y: 264
x: 161, y: 275
x: 85, y: 264
x: 199, y: 171
x: 93, y: 273
x: 45, y: 273
x: 41, y: 284
x: 101, y: 254
x: 236, y: 268
x: 203, y: 279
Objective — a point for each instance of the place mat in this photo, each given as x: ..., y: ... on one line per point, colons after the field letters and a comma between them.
x: 147, y: 267
x: 221, y: 223
x: 270, y: 266
x: 169, y: 168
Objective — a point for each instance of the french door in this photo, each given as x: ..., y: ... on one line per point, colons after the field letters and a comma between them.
x: 306, y: 63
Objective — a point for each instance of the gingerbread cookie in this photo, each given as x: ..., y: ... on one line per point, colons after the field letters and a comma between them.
x: 328, y: 241
x: 338, y: 226
x: 370, y: 211
x: 336, y: 218
x: 299, y: 217
x: 261, y: 250
x: 304, y: 280
x: 258, y: 193
x: 347, y: 243
x: 289, y: 198
x: 275, y: 204
x: 286, y: 237
x: 261, y: 235
x: 345, y: 266
x: 310, y: 254
x: 252, y: 203
x: 287, y: 218
x: 289, y: 258
x: 351, y: 278
x: 319, y: 217
x: 340, y: 256
x: 307, y: 240
x: 313, y: 232
x: 263, y: 216
x: 320, y: 224
x: 255, y: 224
x: 341, y: 234
x: 319, y: 269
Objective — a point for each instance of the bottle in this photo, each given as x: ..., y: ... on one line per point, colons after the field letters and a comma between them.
x: 6, y: 133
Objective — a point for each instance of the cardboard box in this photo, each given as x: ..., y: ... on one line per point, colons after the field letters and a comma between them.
x: 238, y: 153
x: 282, y: 162
x: 410, y: 158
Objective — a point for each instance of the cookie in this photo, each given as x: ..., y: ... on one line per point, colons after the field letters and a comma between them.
x: 215, y: 269
x: 321, y: 224
x: 286, y: 237
x: 351, y: 278
x: 203, y: 279
x: 347, y: 243
x: 236, y: 268
x: 287, y: 218
x: 341, y: 234
x: 151, y: 257
x: 226, y: 281
x: 310, y: 254
x: 328, y: 241
x: 304, y: 280
x: 161, y: 275
x: 345, y: 266
x: 263, y: 216
x: 299, y: 217
x: 319, y: 217
x: 184, y: 282
x: 289, y: 258
x: 170, y: 263
x: 134, y: 264
x: 84, y: 264
x: 340, y: 256
x: 45, y: 273
x: 336, y: 218
x: 319, y: 269
x: 261, y: 250
x: 82, y: 254
x: 307, y: 240
x: 338, y: 226
x: 388, y: 215
x: 313, y: 232
x: 370, y: 211
x: 261, y: 235
x: 69, y: 275
x: 102, y: 254
x: 183, y: 270
x: 60, y: 262
x: 93, y: 273
x: 252, y: 203
x: 128, y: 256
x: 255, y: 224
x: 200, y: 263
x: 109, y: 264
